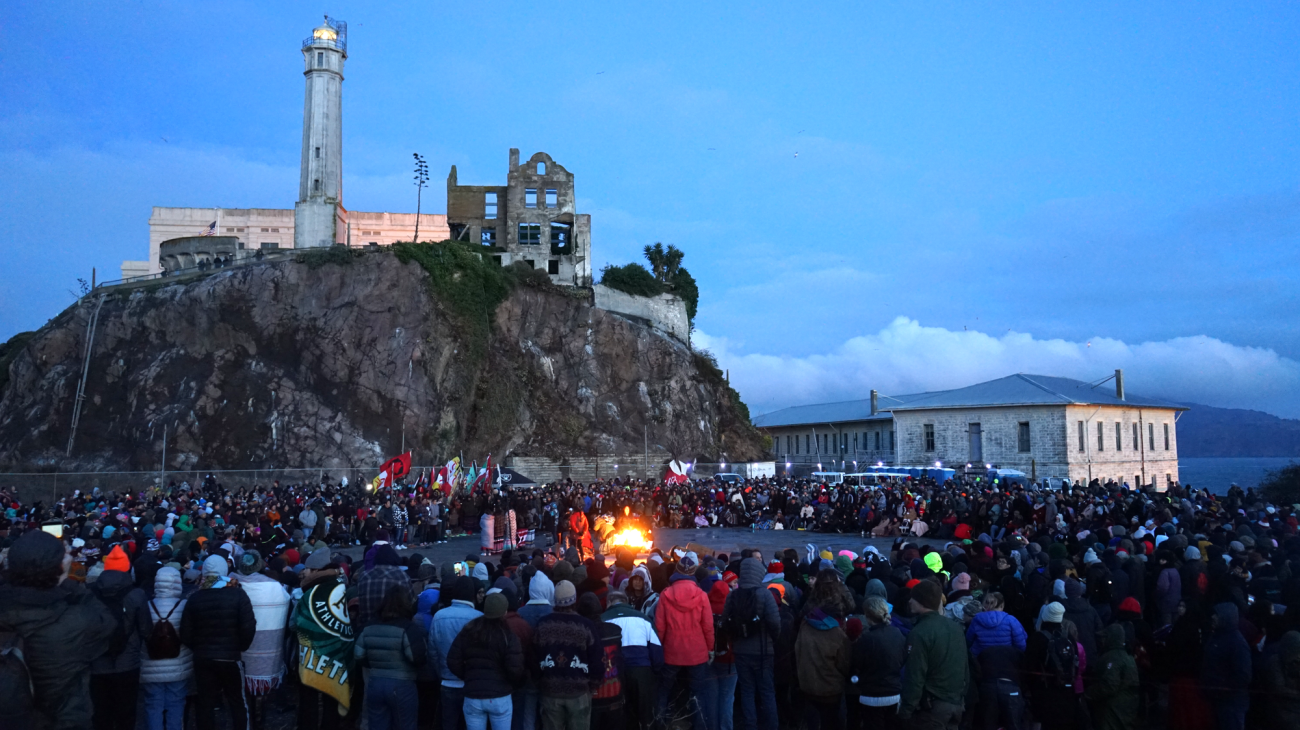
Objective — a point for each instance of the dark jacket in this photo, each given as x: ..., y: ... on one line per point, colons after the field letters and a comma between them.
x: 115, y: 588
x: 490, y: 668
x: 392, y: 649
x: 218, y: 623
x: 63, y: 630
x: 821, y: 655
x: 569, y: 655
x: 751, y: 579
x: 936, y: 666
x: 1113, y: 691
x: 1226, y: 670
x: 877, y: 661
x: 1088, y: 623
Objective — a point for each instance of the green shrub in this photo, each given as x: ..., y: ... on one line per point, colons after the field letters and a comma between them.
x: 631, y: 279
x: 318, y: 257
x: 684, y: 286
x: 1283, y: 485
x: 470, y: 284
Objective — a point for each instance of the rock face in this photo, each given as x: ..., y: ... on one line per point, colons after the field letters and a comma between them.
x: 295, y: 365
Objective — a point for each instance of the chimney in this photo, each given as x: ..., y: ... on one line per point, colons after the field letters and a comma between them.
x: 1119, y: 384
x: 875, y: 402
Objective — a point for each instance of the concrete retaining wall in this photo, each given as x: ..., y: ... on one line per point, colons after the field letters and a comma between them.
x: 665, y: 312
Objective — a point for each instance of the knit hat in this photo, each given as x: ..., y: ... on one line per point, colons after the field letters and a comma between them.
x: 494, y: 606
x: 565, y: 594
x: 1053, y: 613
x: 1073, y: 589
x: 729, y: 576
x: 216, y: 565
x: 1130, y: 605
x: 776, y: 566
x: 386, y: 555
x: 291, y: 557
x: 117, y: 560
x: 961, y: 582
x: 685, y: 566
x: 318, y: 560
x: 36, y: 552
x: 1191, y: 553
x: 563, y: 570
x: 250, y: 562
x: 928, y: 594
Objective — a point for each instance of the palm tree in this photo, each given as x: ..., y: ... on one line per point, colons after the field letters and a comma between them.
x: 664, y: 263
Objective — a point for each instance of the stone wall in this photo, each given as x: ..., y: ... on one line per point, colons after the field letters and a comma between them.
x: 588, y: 468
x: 665, y: 312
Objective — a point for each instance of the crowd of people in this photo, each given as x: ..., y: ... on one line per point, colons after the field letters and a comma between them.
x: 989, y: 606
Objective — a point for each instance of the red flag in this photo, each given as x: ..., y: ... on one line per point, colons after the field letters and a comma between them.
x: 395, y: 468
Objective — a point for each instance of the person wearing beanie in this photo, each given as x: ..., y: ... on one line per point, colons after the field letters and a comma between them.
x: 937, y: 671
x: 684, y: 621
x: 218, y: 625
x: 115, y: 676
x: 446, y: 626
x: 393, y: 648
x: 1053, y: 663
x: 376, y: 582
x: 63, y: 631
x: 569, y: 662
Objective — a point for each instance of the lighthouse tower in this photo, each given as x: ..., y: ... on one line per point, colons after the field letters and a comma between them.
x: 319, y: 218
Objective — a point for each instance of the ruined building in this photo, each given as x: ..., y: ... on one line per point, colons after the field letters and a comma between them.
x: 531, y: 219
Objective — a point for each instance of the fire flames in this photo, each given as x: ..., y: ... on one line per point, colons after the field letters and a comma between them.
x: 630, y: 537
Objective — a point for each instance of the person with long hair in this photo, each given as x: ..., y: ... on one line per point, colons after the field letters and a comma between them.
x: 393, y: 650
x: 490, y: 659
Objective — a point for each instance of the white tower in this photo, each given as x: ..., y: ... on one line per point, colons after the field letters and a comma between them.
x: 318, y: 217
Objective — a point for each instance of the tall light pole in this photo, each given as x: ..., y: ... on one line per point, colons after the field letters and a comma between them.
x: 421, y: 179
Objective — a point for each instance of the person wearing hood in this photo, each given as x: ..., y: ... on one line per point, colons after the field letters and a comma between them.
x: 115, y: 676
x: 1226, y: 669
x: 1084, y: 617
x: 684, y: 621
x: 937, y: 671
x: 443, y: 630
x: 427, y: 679
x: 643, y: 657
x: 821, y: 658
x: 164, y: 681
x: 541, y: 599
x: 63, y: 628
x: 375, y: 583
x: 1113, y: 692
x: 722, y: 697
x: 218, y: 625
x: 754, y: 609
x: 640, y: 591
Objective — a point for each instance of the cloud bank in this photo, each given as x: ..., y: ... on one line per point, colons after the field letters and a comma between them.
x: 906, y: 357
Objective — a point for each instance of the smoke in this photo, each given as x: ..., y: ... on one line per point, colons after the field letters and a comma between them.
x: 906, y: 357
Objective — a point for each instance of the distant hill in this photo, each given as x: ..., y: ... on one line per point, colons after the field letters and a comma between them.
x: 1209, y: 431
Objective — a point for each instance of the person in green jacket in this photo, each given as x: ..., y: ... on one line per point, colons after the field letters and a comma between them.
x: 1114, y: 693
x: 936, y: 671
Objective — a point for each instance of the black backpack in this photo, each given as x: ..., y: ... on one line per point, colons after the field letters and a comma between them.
x: 743, y: 622
x: 163, y: 641
x: 16, y: 696
x: 1062, y: 661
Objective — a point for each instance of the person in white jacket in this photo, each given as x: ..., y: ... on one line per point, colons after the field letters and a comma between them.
x: 164, y: 682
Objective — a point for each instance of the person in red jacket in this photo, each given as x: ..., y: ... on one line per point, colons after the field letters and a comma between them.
x: 684, y: 620
x: 580, y: 533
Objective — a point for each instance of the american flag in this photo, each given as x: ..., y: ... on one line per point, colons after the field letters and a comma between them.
x: 212, y: 229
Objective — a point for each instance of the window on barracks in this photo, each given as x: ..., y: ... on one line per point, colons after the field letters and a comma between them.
x: 552, y: 198
x: 1166, y: 437
x: 489, y: 205
x: 807, y: 443
x: 1022, y: 437
x: 878, y: 440
x: 1137, y: 438
x: 1082, y: 445
x: 530, y: 197
x: 530, y: 234
x: 1151, y: 437
x: 1101, y: 436
x: 560, y: 239
x: 844, y: 440
x: 1119, y: 436
x: 929, y: 437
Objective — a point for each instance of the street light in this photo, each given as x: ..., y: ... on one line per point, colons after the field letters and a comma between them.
x: 421, y: 179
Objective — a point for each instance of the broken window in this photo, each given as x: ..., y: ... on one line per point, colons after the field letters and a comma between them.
x: 552, y: 198
x: 541, y: 168
x: 489, y: 205
x: 529, y: 263
x: 496, y: 260
x: 530, y: 197
x: 553, y: 267
x: 560, y: 235
x: 488, y: 236
x: 530, y: 234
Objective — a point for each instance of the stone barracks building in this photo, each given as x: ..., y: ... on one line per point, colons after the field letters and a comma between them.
x: 1044, y: 426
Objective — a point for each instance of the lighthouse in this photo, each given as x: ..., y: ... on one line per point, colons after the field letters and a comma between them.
x: 319, y: 218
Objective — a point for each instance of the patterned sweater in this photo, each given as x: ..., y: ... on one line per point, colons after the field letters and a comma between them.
x: 569, y: 656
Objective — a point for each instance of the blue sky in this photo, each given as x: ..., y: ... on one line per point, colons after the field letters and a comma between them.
x: 978, y: 188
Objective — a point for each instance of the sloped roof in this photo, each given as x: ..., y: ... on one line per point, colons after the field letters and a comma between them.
x: 1014, y: 390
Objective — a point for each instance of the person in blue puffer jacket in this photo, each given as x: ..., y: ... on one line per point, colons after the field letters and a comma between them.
x: 994, y: 627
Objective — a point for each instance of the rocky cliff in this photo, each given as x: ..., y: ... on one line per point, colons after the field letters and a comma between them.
x: 335, y: 359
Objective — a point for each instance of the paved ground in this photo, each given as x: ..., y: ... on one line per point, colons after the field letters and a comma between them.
x: 718, y: 539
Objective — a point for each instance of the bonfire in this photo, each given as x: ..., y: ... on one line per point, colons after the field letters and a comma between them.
x: 631, y: 538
